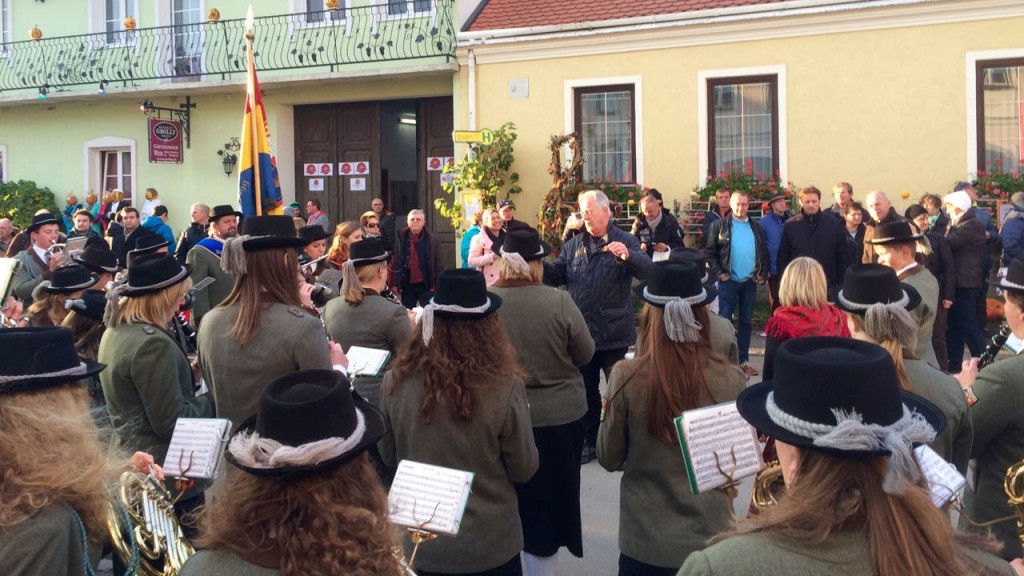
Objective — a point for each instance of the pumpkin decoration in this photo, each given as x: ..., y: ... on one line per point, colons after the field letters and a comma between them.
x: 904, y: 194
x: 130, y: 23
x: 72, y: 200
x: 214, y: 15
x: 35, y: 33
x: 90, y: 198
x: 332, y: 5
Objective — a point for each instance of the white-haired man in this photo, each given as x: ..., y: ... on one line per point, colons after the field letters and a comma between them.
x: 597, y: 268
x: 196, y: 231
x: 417, y: 259
x: 881, y: 211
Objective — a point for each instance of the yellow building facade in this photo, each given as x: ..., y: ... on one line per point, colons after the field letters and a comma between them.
x: 882, y: 96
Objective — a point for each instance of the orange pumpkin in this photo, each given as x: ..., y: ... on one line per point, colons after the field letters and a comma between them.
x: 35, y: 33
x: 130, y: 23
x: 214, y: 15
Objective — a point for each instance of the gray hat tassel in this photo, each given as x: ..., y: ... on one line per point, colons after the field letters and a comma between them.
x: 232, y: 258
x: 680, y: 324
x: 113, y: 308
x: 427, y: 323
x: 516, y: 262
x: 349, y: 278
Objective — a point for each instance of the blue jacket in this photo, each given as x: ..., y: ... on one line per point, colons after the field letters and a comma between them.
x: 157, y: 225
x: 1012, y: 237
x: 600, y: 285
x: 772, y: 226
x: 467, y: 239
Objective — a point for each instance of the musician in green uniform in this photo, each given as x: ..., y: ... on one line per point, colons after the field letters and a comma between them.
x: 204, y: 258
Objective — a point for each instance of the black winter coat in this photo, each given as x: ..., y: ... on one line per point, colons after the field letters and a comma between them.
x: 940, y: 264
x: 189, y: 237
x: 668, y: 232
x: 600, y: 284
x: 718, y: 249
x: 868, y: 255
x: 821, y: 237
x: 968, y: 244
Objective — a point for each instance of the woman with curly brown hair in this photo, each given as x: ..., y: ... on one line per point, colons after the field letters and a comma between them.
x: 448, y: 402
x: 309, y: 501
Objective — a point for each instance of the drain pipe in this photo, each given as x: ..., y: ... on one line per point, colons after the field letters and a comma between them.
x: 472, y: 90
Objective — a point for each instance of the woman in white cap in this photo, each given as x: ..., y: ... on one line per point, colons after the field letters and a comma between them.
x: 856, y: 501
x: 455, y: 398
x: 305, y: 498
x: 661, y: 521
x: 966, y: 236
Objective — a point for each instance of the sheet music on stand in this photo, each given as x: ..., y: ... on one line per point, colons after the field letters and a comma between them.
x: 8, y: 267
x: 366, y: 361
x: 429, y: 498
x: 719, y: 446
x: 944, y: 480
x: 196, y: 447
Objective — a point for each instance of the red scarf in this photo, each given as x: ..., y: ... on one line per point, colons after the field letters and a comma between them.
x: 790, y: 322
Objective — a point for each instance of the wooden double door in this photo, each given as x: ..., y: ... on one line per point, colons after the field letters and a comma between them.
x: 352, y: 132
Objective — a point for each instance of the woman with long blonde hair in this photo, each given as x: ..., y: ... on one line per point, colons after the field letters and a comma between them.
x: 149, y: 382
x: 450, y: 401
x: 804, y: 311
x: 878, y: 311
x: 661, y: 521
x: 856, y: 500
x: 49, y: 298
x: 344, y: 235
x: 85, y: 320
x: 306, y: 499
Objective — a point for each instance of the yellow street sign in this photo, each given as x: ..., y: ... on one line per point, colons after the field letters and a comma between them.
x: 474, y: 136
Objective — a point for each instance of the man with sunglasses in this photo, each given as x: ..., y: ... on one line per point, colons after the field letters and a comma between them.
x: 385, y: 223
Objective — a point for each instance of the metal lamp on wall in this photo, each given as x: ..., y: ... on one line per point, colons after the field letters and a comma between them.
x: 228, y: 157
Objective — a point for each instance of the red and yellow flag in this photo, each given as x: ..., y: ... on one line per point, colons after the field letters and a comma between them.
x: 259, y: 188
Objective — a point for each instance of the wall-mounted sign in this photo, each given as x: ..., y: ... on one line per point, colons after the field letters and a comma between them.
x: 484, y: 136
x: 435, y: 164
x: 164, y: 141
x: 316, y: 184
x: 361, y: 168
x: 357, y: 184
x: 345, y: 168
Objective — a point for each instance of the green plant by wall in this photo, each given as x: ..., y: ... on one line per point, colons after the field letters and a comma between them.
x: 20, y: 200
x: 488, y: 169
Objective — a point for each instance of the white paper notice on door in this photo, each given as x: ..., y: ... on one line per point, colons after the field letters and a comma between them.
x: 357, y: 184
x: 316, y: 184
x: 427, y: 497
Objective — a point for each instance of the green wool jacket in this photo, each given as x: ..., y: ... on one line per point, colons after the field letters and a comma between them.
x: 47, y: 544
x: 955, y: 440
x: 375, y: 323
x: 288, y: 339
x: 722, y: 336
x: 762, y: 554
x: 147, y: 386
x: 496, y: 444
x: 661, y: 521
x: 206, y: 264
x: 222, y: 563
x: 998, y: 444
x: 551, y: 341
x: 922, y: 280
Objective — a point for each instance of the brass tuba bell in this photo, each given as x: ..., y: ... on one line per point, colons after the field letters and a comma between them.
x: 144, y: 530
x: 1014, y: 486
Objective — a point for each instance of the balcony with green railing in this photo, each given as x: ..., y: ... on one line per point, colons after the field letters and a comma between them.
x: 313, y: 44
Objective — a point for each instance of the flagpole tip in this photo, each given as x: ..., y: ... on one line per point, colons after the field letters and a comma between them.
x: 249, y: 19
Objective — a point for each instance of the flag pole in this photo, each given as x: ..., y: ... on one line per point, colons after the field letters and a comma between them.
x: 251, y: 96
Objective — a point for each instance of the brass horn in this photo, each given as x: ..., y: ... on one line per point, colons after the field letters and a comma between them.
x: 1014, y: 486
x: 767, y: 486
x: 144, y: 529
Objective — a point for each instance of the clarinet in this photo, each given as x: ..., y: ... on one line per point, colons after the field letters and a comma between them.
x: 989, y: 355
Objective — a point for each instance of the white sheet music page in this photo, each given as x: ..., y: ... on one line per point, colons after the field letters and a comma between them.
x: 944, y: 480
x: 199, y: 441
x: 366, y: 361
x: 432, y: 498
x: 720, y: 431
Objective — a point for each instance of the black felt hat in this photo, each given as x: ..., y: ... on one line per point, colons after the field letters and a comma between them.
x: 146, y: 244
x: 68, y: 279
x: 313, y: 233
x: 895, y: 233
x: 41, y: 220
x: 777, y: 196
x: 142, y: 237
x: 297, y: 410
x: 367, y: 251
x: 154, y: 272
x: 223, y: 210
x: 38, y: 358
x: 464, y: 288
x: 269, y: 232
x: 686, y: 254
x: 867, y: 284
x: 526, y: 242
x: 1014, y: 278
x: 92, y: 304
x: 98, y: 259
x: 675, y: 279
x: 817, y: 379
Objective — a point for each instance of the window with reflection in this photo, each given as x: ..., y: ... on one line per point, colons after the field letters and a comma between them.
x: 1000, y: 118
x: 604, y: 119
x: 743, y: 125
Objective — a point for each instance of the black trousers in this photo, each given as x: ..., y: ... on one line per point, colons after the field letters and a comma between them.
x: 633, y: 567
x: 602, y: 361
x: 411, y: 294
x: 511, y: 568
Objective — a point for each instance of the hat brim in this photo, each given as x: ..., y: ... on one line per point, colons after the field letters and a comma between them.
x: 149, y: 249
x: 94, y: 267
x: 272, y: 242
x: 494, y: 299
x: 32, y: 228
x: 320, y: 236
x: 70, y: 289
x: 884, y: 241
x: 186, y: 272
x: 545, y: 251
x: 375, y: 430
x: 913, y: 300
x: 1005, y: 285
x: 219, y: 216
x: 712, y: 293
x: 751, y: 404
x: 371, y: 260
x: 34, y: 383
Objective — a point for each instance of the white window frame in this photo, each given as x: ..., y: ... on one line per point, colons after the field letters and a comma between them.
x: 4, y: 175
x: 972, y: 98
x: 5, y: 24
x: 202, y: 40
x: 569, y: 111
x: 97, y: 18
x: 703, y: 153
x: 410, y: 9
x: 92, y: 153
x: 299, y: 7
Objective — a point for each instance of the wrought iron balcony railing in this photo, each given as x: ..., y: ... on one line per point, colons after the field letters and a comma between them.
x: 216, y: 49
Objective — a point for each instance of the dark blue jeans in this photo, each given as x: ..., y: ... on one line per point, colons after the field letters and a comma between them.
x: 962, y: 327
x: 728, y: 294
